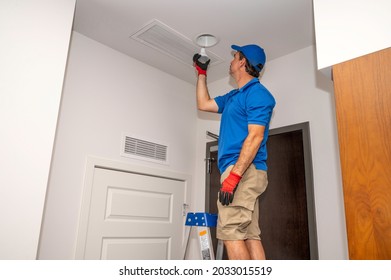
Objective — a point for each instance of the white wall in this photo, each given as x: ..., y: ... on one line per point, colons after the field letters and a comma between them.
x: 99, y: 104
x: 346, y: 29
x: 31, y: 79
x: 302, y: 94
x: 107, y: 93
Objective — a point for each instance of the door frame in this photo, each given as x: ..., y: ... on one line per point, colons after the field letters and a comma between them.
x: 210, y: 147
x: 309, y: 179
x: 95, y: 162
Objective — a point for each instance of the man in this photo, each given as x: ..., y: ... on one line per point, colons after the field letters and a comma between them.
x: 244, y: 129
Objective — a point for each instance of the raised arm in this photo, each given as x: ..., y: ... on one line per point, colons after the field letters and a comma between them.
x: 204, y: 102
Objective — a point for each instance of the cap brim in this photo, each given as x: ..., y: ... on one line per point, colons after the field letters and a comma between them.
x: 236, y: 48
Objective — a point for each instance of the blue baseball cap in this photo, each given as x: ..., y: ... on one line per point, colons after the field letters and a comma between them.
x: 254, y: 54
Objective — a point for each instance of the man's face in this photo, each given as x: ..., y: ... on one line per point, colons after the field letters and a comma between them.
x: 235, y: 63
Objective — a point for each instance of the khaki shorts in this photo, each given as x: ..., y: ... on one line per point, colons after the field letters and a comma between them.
x: 240, y: 219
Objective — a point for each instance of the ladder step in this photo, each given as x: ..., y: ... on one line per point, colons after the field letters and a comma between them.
x: 201, y: 219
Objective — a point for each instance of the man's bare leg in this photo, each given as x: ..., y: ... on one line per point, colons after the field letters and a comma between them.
x: 237, y: 250
x: 255, y: 249
x: 245, y: 250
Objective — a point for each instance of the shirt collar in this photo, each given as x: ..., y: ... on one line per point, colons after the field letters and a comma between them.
x: 251, y: 82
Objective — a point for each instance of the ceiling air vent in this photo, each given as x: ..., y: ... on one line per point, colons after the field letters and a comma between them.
x: 143, y: 149
x: 170, y: 42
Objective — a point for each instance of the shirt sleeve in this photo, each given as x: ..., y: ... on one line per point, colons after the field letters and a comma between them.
x: 260, y: 106
x: 222, y: 100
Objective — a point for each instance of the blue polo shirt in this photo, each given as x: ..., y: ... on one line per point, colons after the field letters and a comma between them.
x: 251, y: 104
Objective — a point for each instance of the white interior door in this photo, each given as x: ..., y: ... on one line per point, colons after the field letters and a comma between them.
x: 134, y: 216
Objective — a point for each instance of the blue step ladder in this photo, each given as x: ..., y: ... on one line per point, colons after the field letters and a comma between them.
x: 203, y: 222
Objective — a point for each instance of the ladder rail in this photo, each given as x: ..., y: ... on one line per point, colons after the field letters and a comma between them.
x: 203, y: 221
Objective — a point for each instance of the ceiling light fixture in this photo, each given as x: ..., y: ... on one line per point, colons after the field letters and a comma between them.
x: 205, y: 41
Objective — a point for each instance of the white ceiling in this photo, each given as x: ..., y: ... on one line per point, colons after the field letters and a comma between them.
x: 279, y: 26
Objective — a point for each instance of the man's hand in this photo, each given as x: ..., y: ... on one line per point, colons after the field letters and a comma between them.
x: 200, y: 67
x: 227, y: 190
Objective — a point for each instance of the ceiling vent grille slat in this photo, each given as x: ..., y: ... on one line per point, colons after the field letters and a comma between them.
x: 170, y: 42
x: 143, y: 149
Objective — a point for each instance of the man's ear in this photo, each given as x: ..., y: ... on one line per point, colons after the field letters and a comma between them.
x: 242, y: 62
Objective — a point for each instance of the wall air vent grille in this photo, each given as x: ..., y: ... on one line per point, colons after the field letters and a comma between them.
x: 143, y: 149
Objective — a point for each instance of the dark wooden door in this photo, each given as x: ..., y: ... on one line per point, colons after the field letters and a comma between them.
x: 283, y: 207
x: 286, y: 210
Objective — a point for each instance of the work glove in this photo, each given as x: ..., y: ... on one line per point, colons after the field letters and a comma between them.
x: 228, y: 188
x: 201, y: 67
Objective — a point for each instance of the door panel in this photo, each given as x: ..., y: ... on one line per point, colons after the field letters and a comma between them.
x: 363, y: 96
x: 283, y: 207
x: 135, y: 248
x: 134, y: 216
